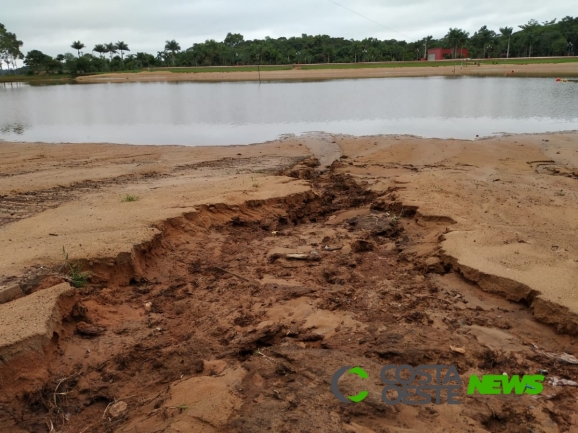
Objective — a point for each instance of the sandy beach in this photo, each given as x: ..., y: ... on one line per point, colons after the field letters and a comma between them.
x: 405, y: 250
x: 529, y: 70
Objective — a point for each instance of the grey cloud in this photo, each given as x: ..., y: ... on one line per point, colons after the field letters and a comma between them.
x: 51, y: 26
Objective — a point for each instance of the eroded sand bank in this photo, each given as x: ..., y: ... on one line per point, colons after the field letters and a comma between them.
x: 408, y: 248
x: 513, y: 199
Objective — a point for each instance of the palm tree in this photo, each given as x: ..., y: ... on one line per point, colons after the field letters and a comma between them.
x: 356, y: 45
x: 77, y: 45
x: 162, y: 57
x: 426, y: 40
x: 507, y: 31
x: 457, y: 38
x: 453, y: 38
x: 100, y: 49
x: 529, y: 39
x: 172, y: 46
x: 121, y: 46
x: 110, y: 49
x: 530, y: 34
x: 462, y: 39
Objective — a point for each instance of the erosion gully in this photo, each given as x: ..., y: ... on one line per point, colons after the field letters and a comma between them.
x: 211, y: 327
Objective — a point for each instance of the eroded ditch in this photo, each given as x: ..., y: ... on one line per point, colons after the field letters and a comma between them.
x: 212, y: 327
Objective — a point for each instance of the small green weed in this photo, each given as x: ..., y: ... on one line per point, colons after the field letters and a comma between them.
x: 395, y: 218
x: 180, y: 407
x: 77, y: 277
x: 129, y: 198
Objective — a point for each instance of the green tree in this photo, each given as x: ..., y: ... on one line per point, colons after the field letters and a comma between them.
x: 37, y: 61
x: 77, y: 45
x: 233, y: 39
x: 144, y: 60
x: 529, y: 35
x: 426, y: 41
x: 162, y: 57
x: 100, y: 49
x: 173, y: 46
x: 462, y: 40
x: 507, y: 33
x: 110, y: 49
x: 482, y: 38
x: 356, y: 48
x: 456, y: 38
x: 559, y: 46
x: 568, y: 26
x: 9, y: 48
x: 122, y: 47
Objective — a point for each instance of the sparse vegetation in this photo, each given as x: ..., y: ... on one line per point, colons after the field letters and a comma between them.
x: 395, y: 218
x: 130, y: 198
x: 76, y: 277
x: 561, y: 193
x: 267, y: 358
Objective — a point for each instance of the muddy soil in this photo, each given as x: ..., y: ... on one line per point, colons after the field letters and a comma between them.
x: 234, y: 319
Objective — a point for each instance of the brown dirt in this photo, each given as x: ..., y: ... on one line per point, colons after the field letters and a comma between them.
x: 536, y: 70
x: 203, y: 324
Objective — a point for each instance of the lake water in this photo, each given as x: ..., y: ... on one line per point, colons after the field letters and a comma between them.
x: 242, y: 113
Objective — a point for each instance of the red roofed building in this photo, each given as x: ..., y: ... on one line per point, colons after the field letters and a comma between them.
x: 445, y: 53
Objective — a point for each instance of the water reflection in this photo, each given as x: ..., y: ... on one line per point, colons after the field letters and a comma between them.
x: 11, y: 85
x: 13, y: 128
x: 240, y: 113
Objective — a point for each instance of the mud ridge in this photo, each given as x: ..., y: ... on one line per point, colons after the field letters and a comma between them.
x: 550, y: 313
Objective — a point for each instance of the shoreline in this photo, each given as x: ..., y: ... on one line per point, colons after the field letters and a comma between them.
x: 303, y: 136
x: 320, y: 72
x: 530, y: 70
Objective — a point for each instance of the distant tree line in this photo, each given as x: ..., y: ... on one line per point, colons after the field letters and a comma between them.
x: 533, y: 39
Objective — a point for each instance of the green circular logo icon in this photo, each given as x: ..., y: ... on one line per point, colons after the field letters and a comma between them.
x: 359, y: 372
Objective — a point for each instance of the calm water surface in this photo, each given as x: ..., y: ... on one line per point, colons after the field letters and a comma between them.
x: 241, y: 113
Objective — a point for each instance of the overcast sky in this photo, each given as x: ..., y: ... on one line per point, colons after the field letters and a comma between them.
x: 145, y: 25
